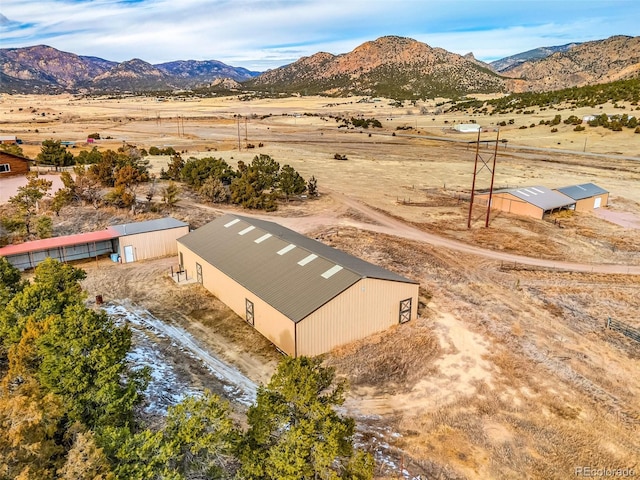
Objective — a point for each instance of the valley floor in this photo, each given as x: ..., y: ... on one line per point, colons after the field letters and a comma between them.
x: 509, y: 371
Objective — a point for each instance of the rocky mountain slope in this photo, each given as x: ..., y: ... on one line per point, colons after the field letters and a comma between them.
x: 391, y: 66
x: 205, y: 71
x: 602, y: 61
x: 43, y: 69
x: 530, y: 55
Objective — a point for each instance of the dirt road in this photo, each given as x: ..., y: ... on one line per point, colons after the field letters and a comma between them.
x: 377, y: 221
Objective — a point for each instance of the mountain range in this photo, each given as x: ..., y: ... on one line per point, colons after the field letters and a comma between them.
x: 391, y: 66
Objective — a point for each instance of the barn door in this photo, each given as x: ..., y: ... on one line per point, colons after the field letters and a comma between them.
x: 128, y: 254
x: 405, y: 310
x: 199, y: 273
x: 597, y: 202
x: 249, y: 313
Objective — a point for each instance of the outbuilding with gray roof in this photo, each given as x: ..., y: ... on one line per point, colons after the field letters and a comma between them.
x: 304, y: 296
x: 128, y: 242
x: 588, y: 196
x: 530, y: 201
x: 149, y: 239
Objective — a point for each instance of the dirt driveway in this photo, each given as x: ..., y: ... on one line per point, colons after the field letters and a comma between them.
x: 9, y: 186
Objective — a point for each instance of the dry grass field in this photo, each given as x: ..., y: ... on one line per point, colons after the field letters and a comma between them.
x: 509, y: 372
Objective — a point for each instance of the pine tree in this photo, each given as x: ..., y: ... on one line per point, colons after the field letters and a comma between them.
x: 53, y: 152
x: 291, y: 182
x: 28, y: 198
x: 197, y: 441
x: 294, y: 431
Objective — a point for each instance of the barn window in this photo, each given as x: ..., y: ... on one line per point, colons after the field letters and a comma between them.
x: 405, y: 310
x: 199, y: 273
x: 249, y: 315
x: 5, y: 167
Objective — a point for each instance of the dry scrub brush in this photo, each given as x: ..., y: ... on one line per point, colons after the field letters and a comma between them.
x: 392, y: 361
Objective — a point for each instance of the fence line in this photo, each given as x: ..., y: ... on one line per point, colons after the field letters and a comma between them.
x: 623, y: 328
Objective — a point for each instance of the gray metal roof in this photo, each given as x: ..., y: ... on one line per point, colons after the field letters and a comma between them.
x: 294, y: 274
x: 147, y: 226
x: 541, y: 197
x: 579, y: 192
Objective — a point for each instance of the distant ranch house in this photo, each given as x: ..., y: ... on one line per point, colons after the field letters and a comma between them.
x: 12, y: 164
x: 8, y: 139
x: 467, y: 128
x: 125, y: 243
x: 304, y: 296
x: 587, y: 196
x: 533, y: 202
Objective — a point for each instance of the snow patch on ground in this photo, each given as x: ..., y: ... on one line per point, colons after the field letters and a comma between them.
x: 165, y: 388
x: 152, y: 341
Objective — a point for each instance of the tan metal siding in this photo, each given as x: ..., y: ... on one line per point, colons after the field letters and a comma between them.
x: 279, y: 329
x: 369, y: 306
x: 156, y: 244
x: 512, y: 204
x: 588, y: 204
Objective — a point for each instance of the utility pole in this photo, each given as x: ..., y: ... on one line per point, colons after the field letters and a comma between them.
x: 492, y: 170
x: 238, y: 117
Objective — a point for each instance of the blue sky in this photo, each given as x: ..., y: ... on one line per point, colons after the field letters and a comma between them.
x: 263, y: 34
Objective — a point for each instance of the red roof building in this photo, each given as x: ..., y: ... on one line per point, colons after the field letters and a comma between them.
x: 128, y: 243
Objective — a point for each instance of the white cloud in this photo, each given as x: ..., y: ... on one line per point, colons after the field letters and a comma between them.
x: 260, y: 34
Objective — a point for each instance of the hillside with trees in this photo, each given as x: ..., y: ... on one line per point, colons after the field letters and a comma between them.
x: 587, y: 96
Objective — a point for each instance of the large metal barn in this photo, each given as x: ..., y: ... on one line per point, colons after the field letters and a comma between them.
x: 303, y: 295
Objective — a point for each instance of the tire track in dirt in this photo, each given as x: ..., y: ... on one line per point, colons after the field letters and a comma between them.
x: 236, y: 385
x: 383, y: 223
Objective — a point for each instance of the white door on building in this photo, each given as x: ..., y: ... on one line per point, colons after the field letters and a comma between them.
x: 597, y: 202
x: 128, y: 254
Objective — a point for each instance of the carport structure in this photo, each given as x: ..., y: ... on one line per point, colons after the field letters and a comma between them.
x: 130, y: 242
x: 65, y: 249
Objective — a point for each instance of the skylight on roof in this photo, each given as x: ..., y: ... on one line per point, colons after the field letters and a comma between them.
x: 307, y: 259
x: 537, y: 190
x: 523, y: 193
x: 232, y: 222
x: 332, y: 271
x: 286, y: 249
x: 246, y: 230
x: 262, y: 238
